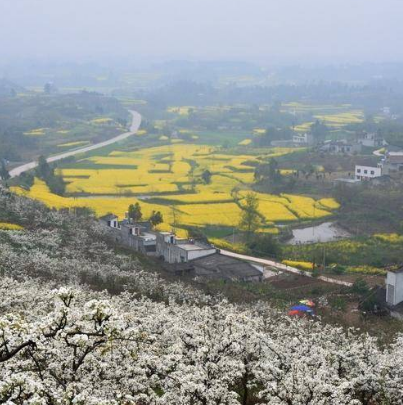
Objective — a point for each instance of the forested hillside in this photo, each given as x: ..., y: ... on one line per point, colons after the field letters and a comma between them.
x: 36, y: 123
x: 81, y: 323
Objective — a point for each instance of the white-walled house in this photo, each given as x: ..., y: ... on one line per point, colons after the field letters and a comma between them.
x: 177, y: 250
x: 371, y: 139
x: 342, y: 147
x: 394, y: 286
x: 110, y: 220
x: 392, y: 163
x: 303, y: 139
x: 367, y: 172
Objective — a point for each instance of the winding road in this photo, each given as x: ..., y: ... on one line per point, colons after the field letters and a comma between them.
x: 136, y: 122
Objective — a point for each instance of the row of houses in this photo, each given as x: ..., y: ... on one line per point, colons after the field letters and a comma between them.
x: 363, y: 139
x: 179, y: 255
x: 391, y: 164
x: 389, y: 167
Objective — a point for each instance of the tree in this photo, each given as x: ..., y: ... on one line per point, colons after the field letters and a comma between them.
x: 176, y: 214
x: 269, y: 171
x: 264, y: 245
x: 156, y: 218
x: 43, y: 169
x: 206, y: 176
x: 250, y: 217
x: 49, y: 88
x: 4, y: 174
x: 319, y: 130
x: 135, y: 212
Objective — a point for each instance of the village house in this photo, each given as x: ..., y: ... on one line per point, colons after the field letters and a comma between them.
x: 371, y: 139
x: 304, y: 139
x: 137, y: 236
x: 364, y: 173
x: 110, y: 220
x: 392, y: 163
x: 394, y: 286
x: 394, y: 291
x: 341, y: 147
x: 177, y: 250
x: 180, y: 256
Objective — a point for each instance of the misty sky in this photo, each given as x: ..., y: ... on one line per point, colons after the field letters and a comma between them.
x: 258, y: 30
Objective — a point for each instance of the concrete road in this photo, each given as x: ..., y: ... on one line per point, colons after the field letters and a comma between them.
x: 136, y: 122
x: 282, y: 267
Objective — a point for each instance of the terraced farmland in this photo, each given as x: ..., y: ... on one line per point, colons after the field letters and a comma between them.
x: 334, y: 116
x: 169, y: 179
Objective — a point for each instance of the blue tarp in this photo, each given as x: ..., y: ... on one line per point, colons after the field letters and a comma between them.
x: 303, y: 308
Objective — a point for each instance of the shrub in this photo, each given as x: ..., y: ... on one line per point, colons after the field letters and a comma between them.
x: 360, y: 286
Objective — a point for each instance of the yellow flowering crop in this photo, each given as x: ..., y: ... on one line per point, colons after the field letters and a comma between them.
x: 389, y: 237
x: 78, y: 143
x: 101, y: 120
x: 305, y: 207
x: 329, y: 203
x: 173, y: 175
x: 307, y: 266
x: 36, y: 132
x: 10, y: 227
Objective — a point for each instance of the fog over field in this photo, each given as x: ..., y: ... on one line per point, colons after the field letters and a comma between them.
x: 286, y: 31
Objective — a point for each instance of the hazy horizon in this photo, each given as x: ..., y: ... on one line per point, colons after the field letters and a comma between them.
x: 290, y: 31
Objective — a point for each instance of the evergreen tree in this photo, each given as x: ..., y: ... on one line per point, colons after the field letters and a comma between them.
x: 135, y: 212
x: 44, y: 171
x: 206, y: 176
x: 156, y: 218
x: 250, y: 218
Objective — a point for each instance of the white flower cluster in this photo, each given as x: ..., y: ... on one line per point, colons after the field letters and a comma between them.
x: 155, y: 342
x: 75, y: 346
x: 65, y: 248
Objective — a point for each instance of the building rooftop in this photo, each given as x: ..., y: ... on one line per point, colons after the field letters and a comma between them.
x: 148, y: 236
x: 192, y: 246
x: 108, y: 217
x: 220, y: 266
x: 395, y: 158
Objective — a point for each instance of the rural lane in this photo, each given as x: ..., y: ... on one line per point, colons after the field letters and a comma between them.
x: 282, y: 267
x: 135, y: 125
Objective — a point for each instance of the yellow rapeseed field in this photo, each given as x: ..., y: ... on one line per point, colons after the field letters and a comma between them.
x: 329, y: 203
x: 101, y: 120
x: 10, y: 227
x: 171, y: 175
x: 36, y: 132
x: 71, y: 144
x: 307, y: 266
x: 389, y: 237
x: 304, y: 207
